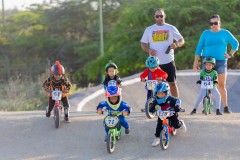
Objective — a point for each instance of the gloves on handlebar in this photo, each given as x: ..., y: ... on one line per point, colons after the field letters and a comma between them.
x: 215, y: 82
x: 199, y: 82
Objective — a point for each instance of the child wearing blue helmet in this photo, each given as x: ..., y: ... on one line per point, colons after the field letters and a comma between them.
x: 164, y: 101
x: 152, y: 72
x: 115, y: 106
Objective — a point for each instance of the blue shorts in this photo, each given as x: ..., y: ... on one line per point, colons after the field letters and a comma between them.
x: 220, y: 67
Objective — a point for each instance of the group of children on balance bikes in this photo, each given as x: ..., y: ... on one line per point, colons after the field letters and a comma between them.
x: 114, y: 103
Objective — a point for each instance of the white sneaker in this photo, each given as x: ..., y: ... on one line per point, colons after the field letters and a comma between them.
x: 183, y: 127
x: 156, y: 142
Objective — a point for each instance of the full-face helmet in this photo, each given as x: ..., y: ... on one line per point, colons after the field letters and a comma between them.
x: 161, y: 87
x: 57, y: 69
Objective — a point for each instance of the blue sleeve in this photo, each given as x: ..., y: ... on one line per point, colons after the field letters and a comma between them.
x: 101, y: 105
x: 232, y: 41
x: 177, y: 105
x: 200, y: 45
x: 126, y: 107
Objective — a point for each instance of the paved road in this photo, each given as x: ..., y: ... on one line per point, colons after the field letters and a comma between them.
x: 31, y: 136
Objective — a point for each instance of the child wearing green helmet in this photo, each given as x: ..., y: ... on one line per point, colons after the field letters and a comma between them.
x: 210, y: 75
x: 111, y: 75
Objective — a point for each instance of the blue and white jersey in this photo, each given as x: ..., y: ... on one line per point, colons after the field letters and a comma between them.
x: 114, y: 109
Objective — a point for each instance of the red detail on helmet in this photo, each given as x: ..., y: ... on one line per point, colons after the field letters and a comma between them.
x: 59, y: 67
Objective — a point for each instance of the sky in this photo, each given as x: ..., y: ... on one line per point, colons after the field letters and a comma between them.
x: 20, y: 4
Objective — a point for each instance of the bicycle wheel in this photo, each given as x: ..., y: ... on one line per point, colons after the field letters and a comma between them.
x: 56, y: 117
x: 110, y: 143
x: 147, y: 106
x: 206, y: 105
x: 163, y: 140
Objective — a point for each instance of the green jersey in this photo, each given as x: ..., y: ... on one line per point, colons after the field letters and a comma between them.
x: 209, y: 76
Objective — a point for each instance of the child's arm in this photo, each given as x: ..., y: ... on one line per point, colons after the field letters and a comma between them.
x: 100, y: 107
x: 67, y: 85
x: 46, y: 85
x: 143, y: 75
x: 126, y: 109
x: 163, y: 75
x: 215, y: 77
x: 177, y: 105
x: 153, y: 108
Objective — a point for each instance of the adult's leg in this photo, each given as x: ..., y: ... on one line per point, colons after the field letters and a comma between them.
x: 174, y: 89
x: 222, y: 90
x: 170, y: 69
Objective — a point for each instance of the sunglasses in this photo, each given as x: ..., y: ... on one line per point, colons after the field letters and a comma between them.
x: 157, y: 16
x: 213, y: 23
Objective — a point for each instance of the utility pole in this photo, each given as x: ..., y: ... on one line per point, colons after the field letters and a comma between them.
x: 3, y: 13
x: 101, y: 28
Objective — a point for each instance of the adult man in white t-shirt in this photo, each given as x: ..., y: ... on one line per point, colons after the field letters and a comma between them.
x: 155, y: 41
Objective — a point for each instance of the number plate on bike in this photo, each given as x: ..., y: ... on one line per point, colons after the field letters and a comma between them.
x: 56, y: 95
x: 163, y: 114
x: 111, y: 121
x: 207, y: 84
x: 151, y: 84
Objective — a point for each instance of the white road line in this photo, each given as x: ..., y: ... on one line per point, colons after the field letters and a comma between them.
x: 134, y: 80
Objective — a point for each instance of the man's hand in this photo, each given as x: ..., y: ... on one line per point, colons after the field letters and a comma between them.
x: 143, y: 80
x: 152, y: 52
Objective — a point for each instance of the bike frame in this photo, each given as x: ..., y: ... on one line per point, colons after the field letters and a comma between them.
x: 209, y: 102
x: 57, y: 105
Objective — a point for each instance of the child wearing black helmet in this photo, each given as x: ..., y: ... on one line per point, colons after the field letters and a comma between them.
x: 57, y: 80
x: 111, y: 72
x: 208, y: 74
x: 164, y: 101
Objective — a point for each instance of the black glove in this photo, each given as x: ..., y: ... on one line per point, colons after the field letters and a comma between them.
x: 199, y: 82
x: 168, y: 50
x: 119, y: 81
x: 215, y: 82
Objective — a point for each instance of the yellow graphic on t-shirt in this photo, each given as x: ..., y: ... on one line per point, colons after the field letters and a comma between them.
x: 160, y: 36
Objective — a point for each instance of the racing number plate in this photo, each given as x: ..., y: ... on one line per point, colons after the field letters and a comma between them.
x: 151, y: 84
x: 207, y: 84
x: 57, y: 95
x: 111, y: 121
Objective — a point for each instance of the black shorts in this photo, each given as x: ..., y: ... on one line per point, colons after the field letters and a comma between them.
x: 170, y: 69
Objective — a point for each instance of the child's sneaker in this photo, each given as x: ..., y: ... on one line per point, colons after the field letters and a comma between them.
x: 203, y: 111
x: 183, y: 127
x: 48, y: 114
x: 66, y: 119
x: 156, y: 142
x: 182, y: 109
x: 218, y: 112
x: 193, y: 112
x: 105, y: 139
x: 127, y: 131
x: 142, y: 109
